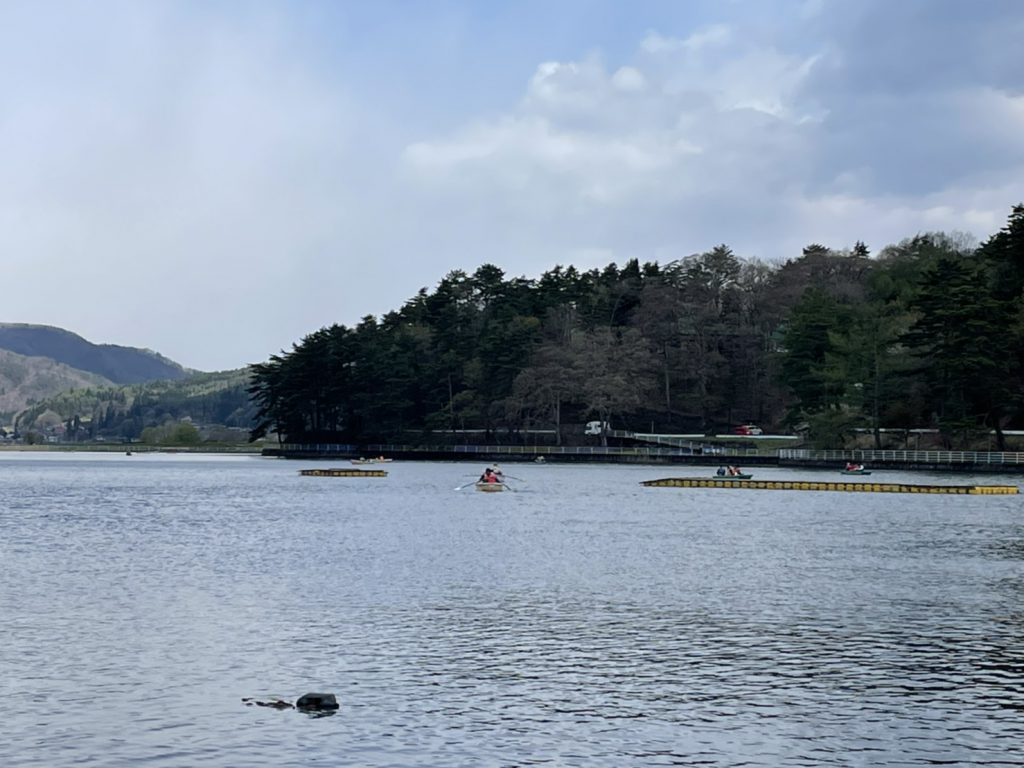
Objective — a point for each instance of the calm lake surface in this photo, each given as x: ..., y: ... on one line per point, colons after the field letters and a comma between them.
x: 583, y: 620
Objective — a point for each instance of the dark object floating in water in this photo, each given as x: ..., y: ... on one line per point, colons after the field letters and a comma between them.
x: 316, y: 702
x: 310, y: 702
x: 274, y: 704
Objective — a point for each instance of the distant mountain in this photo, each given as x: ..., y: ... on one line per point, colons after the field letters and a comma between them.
x: 27, y: 380
x: 120, y: 365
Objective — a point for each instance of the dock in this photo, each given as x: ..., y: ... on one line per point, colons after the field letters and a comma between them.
x: 812, y: 485
x: 343, y: 472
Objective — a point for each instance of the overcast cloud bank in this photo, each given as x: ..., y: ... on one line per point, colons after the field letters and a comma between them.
x: 215, y: 182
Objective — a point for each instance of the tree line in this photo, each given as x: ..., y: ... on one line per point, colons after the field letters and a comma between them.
x: 927, y: 333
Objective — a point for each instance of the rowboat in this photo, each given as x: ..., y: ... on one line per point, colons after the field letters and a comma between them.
x: 741, y: 476
x: 855, y: 471
x: 490, y: 487
x: 381, y: 460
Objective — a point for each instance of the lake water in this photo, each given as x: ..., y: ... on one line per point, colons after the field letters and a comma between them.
x: 583, y: 620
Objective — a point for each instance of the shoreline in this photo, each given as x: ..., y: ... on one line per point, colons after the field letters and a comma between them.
x: 909, y: 461
x: 956, y: 462
x: 254, y: 450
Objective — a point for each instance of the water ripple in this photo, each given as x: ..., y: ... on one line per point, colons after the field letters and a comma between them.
x: 583, y: 621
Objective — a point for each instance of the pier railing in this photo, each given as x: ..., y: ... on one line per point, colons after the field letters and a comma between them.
x: 342, y: 449
x: 991, y: 461
x: 1004, y: 458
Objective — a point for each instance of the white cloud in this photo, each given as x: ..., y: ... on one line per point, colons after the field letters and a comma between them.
x: 629, y: 79
x: 649, y: 159
x: 716, y: 137
x: 714, y: 36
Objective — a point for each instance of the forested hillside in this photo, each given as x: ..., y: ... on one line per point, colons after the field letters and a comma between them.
x: 124, y: 413
x: 121, y: 365
x: 925, y: 333
x: 25, y: 380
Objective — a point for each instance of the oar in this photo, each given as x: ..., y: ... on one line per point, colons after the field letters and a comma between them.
x: 466, y: 485
x: 509, y: 487
x: 516, y: 478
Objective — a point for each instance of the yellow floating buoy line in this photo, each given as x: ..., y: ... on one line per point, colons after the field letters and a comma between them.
x: 810, y: 485
x: 343, y: 472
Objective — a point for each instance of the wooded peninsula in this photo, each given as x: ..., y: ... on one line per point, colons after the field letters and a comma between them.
x: 836, y: 344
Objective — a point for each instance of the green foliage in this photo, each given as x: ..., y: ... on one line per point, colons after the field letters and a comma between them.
x: 124, y: 412
x: 928, y: 332
x: 831, y: 429
x: 180, y: 434
x: 810, y: 337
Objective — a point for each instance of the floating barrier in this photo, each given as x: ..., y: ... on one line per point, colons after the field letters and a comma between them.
x: 343, y: 472
x: 810, y: 485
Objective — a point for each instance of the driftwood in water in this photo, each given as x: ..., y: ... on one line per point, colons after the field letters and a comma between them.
x: 309, y: 702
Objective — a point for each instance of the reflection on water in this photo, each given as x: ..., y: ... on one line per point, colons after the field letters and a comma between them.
x: 582, y: 621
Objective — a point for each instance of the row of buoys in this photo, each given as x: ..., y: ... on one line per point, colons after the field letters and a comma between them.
x: 342, y: 472
x: 808, y: 485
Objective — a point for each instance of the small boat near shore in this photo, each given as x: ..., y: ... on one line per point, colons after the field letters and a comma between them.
x: 740, y: 476
x: 855, y: 471
x: 378, y: 460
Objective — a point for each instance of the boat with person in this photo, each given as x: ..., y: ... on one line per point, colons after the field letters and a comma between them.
x: 854, y: 469
x: 732, y: 473
x: 378, y: 460
x: 491, y: 481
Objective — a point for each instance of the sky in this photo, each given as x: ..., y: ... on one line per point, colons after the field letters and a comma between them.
x: 215, y: 180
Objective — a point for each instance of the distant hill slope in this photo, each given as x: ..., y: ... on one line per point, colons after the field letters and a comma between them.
x: 122, y: 412
x: 26, y: 380
x: 120, y: 365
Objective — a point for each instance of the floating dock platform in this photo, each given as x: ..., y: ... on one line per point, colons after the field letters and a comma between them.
x: 343, y: 472
x: 813, y: 485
